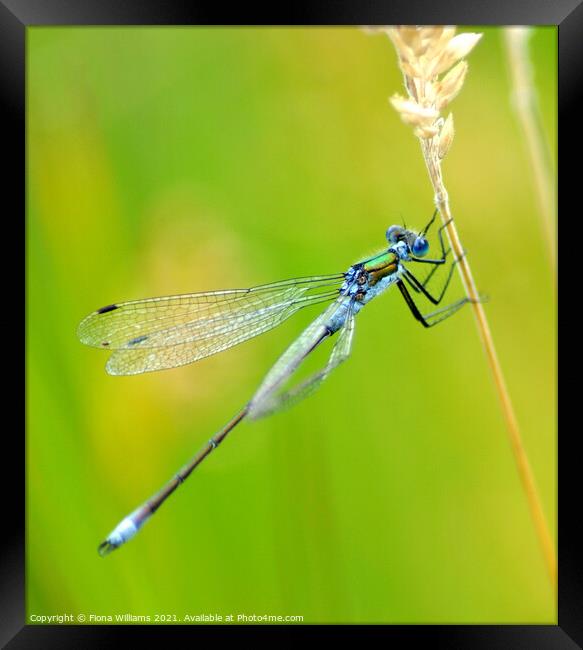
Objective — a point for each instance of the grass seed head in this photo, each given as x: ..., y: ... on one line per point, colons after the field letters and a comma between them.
x: 431, y: 59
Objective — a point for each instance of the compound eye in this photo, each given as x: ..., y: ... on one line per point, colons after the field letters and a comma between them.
x: 420, y: 247
x: 393, y: 234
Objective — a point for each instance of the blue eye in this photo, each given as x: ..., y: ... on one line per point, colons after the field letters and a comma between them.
x: 420, y: 247
x: 393, y: 234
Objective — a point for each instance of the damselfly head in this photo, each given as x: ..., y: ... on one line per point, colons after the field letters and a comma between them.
x: 417, y: 244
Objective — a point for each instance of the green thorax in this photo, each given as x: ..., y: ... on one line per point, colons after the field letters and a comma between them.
x: 380, y: 266
x: 380, y: 261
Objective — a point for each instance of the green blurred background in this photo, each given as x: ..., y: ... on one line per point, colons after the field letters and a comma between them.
x: 163, y: 161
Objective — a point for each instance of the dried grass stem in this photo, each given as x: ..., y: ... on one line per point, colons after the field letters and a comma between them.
x: 424, y: 54
x: 525, y: 104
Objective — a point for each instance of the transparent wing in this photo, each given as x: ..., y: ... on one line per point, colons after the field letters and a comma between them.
x: 158, y: 333
x: 267, y: 400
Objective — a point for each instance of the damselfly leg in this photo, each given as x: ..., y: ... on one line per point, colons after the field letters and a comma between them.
x: 431, y: 319
x: 444, y: 252
x: 420, y: 286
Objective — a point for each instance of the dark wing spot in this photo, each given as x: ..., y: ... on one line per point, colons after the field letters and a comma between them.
x: 137, y: 340
x: 104, y: 310
x: 105, y: 344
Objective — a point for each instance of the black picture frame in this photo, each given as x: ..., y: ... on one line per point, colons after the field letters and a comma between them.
x: 15, y: 17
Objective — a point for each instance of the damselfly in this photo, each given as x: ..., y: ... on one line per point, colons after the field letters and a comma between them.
x: 159, y: 333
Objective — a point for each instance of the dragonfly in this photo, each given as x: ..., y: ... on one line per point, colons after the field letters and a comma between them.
x: 167, y: 332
